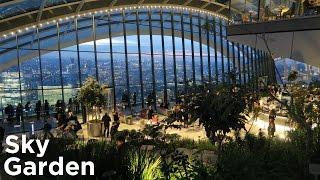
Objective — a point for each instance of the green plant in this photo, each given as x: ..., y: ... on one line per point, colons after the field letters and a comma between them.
x: 255, y: 158
x: 220, y: 110
x: 91, y: 94
x: 144, y: 165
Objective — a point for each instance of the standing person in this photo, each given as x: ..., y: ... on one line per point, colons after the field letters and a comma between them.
x: 70, y: 105
x: 27, y: 108
x: 76, y: 105
x: 46, y: 108
x: 272, y: 114
x: 7, y: 112
x: 122, y: 160
x: 184, y: 118
x: 47, y: 130
x: 11, y: 112
x: 114, y: 128
x: 63, y: 106
x: 272, y: 125
x: 19, y: 113
x: 271, y: 128
x: 38, y: 109
x: 106, y: 120
x: 149, y: 100
x: 149, y: 113
x: 58, y: 107
x: 134, y: 99
x: 116, y: 116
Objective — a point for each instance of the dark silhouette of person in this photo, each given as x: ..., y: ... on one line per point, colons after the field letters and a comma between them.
x: 149, y: 113
x: 116, y: 117
x: 46, y: 108
x: 134, y: 99
x: 76, y: 105
x: 47, y: 130
x: 122, y: 156
x: 115, y: 124
x: 58, y: 106
x: 106, y: 120
x: 71, y: 105
x: 149, y: 99
x: 38, y: 109
x: 114, y: 128
x: 63, y: 106
x: 61, y: 121
x: 27, y: 108
x: 272, y: 126
x: 73, y: 123
x: 9, y: 111
x: 19, y: 112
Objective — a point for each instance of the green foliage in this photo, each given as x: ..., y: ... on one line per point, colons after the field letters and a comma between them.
x: 92, y: 93
x: 220, y: 109
x: 249, y: 158
x: 256, y: 158
x: 144, y: 165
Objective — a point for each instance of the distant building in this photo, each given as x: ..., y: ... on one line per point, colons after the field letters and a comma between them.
x: 10, y: 88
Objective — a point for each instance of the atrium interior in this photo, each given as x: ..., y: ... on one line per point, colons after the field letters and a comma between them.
x: 234, y: 85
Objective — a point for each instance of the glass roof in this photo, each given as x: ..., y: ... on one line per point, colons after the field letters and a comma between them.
x: 16, y: 7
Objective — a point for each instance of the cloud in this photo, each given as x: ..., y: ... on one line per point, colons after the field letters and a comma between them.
x: 105, y: 42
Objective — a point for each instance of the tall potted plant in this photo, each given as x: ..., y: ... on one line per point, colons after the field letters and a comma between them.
x: 92, y: 95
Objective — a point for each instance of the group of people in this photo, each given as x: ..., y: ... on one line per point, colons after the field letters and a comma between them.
x: 20, y: 112
x: 129, y: 99
x: 68, y: 123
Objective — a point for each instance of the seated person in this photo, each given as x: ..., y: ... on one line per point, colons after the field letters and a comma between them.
x: 62, y: 121
x: 73, y: 124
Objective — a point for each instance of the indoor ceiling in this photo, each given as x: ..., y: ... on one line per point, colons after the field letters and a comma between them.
x: 18, y: 14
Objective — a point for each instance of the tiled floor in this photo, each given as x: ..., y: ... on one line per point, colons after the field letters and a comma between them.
x: 193, y: 132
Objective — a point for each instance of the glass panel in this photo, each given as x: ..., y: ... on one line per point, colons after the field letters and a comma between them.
x: 196, y: 46
x: 30, y: 71
x: 70, y: 67
x: 19, y: 8
x: 134, y: 71
x: 51, y: 69
x: 188, y: 50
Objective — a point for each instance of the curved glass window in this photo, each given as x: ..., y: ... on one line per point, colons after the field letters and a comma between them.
x: 129, y: 51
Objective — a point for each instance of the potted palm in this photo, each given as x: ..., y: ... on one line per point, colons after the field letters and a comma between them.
x: 92, y: 95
